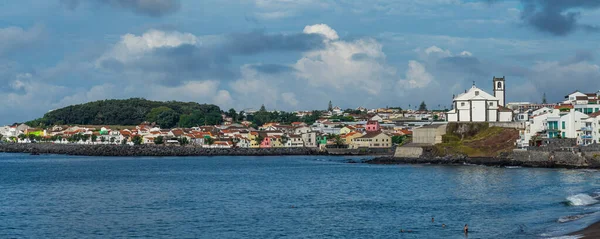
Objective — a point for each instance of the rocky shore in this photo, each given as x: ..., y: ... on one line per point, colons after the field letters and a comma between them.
x: 496, y: 161
x: 147, y: 150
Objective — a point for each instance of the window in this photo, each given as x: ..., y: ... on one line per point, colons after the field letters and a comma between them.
x: 499, y: 85
x: 563, y: 135
x: 476, y: 92
x: 462, y: 104
x: 491, y: 103
x: 563, y: 125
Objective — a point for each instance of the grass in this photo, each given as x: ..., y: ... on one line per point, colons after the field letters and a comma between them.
x: 486, y: 142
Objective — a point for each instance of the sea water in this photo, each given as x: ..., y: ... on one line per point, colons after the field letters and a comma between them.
x: 52, y: 196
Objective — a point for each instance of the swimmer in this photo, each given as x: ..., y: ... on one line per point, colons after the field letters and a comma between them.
x: 401, y: 230
x: 432, y: 220
x: 466, y: 229
x: 443, y: 225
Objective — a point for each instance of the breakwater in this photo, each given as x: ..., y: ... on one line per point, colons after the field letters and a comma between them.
x: 148, y: 150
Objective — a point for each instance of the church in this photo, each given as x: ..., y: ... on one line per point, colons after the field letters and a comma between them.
x: 476, y: 105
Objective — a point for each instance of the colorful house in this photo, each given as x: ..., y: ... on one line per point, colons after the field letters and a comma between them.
x: 372, y: 126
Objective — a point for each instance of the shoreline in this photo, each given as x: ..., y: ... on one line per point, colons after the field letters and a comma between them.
x: 484, y: 161
x: 108, y: 150
x: 592, y: 231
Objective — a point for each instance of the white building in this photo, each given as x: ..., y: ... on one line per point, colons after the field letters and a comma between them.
x: 476, y: 105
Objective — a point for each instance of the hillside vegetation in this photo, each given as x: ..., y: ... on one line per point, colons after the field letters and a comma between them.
x: 477, y: 140
x: 133, y: 112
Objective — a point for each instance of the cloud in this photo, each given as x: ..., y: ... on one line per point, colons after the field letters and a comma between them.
x: 322, y: 29
x: 416, y: 77
x: 557, y: 17
x: 289, y: 98
x: 153, y: 8
x: 336, y: 66
x: 272, y: 68
x: 170, y: 57
x: 14, y: 38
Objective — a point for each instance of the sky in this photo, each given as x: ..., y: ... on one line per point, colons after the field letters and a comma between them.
x: 291, y: 54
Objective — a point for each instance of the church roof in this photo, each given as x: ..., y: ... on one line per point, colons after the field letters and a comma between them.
x: 475, y: 94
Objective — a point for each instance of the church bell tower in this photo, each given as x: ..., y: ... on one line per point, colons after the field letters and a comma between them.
x: 499, y: 92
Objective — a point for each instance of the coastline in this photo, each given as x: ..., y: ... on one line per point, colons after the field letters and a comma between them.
x: 592, y: 231
x: 108, y: 150
x: 484, y: 161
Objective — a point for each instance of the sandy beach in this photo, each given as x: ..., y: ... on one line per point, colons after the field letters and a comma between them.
x: 593, y: 231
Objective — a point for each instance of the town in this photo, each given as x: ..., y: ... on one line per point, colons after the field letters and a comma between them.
x: 576, y: 120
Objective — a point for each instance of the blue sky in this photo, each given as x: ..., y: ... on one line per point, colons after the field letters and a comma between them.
x: 291, y: 54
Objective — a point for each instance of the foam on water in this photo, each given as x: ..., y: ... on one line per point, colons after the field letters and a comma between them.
x: 581, y: 200
x: 567, y: 237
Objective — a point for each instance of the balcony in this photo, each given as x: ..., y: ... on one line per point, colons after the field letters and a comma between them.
x: 586, y: 137
x: 586, y: 129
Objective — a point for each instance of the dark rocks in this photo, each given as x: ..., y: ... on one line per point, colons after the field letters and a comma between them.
x: 497, y: 162
x: 148, y: 150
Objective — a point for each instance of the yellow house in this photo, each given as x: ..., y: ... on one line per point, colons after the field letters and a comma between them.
x: 252, y: 136
x: 276, y: 141
x: 347, y: 129
x: 373, y: 140
x: 348, y: 138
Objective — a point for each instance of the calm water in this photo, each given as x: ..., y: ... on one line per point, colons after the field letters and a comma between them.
x: 284, y: 197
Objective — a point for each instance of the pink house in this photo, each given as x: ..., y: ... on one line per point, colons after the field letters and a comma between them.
x: 372, y: 126
x: 266, y: 142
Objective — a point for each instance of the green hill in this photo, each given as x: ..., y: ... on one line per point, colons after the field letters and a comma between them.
x: 132, y: 112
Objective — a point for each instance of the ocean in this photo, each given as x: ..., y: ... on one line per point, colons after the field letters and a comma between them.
x: 54, y: 196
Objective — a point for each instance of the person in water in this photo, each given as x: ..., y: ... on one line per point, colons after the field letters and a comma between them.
x: 432, y: 220
x: 443, y: 225
x: 466, y: 228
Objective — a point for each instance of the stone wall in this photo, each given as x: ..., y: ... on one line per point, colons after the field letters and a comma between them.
x: 429, y: 134
x: 510, y: 125
x: 408, y: 152
x: 147, y: 150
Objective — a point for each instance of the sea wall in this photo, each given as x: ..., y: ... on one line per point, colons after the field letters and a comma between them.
x: 147, y: 150
x: 524, y: 158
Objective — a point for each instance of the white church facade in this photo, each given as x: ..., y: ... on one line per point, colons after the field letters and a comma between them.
x: 476, y: 105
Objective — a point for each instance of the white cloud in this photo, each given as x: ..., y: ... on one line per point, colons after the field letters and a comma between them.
x: 289, y: 98
x: 323, y: 29
x: 12, y: 38
x: 132, y: 47
x: 336, y: 66
x: 416, y: 77
x: 223, y: 99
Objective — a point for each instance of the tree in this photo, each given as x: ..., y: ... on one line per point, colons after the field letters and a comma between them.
x: 124, y: 141
x: 159, y: 140
x: 22, y: 137
x: 183, y: 141
x: 262, y: 108
x: 544, y: 101
x: 137, y: 140
x: 167, y: 119
x: 209, y: 141
x: 94, y: 138
x: 85, y: 137
x: 397, y: 139
x: 338, y: 141
x: 31, y: 137
x: 330, y: 107
x: 423, y: 106
x: 152, y: 116
x: 231, y: 113
x: 112, y: 140
x: 102, y: 139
